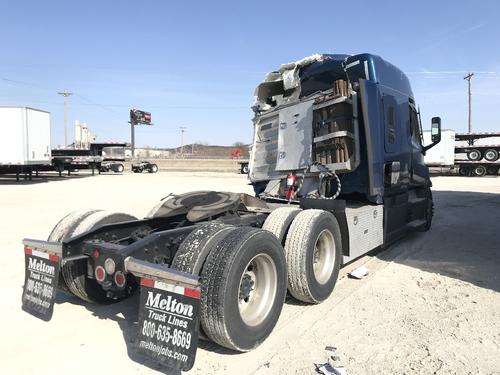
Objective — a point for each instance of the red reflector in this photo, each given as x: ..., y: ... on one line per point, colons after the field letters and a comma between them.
x: 148, y: 282
x: 193, y: 293
x: 28, y: 251
x: 100, y: 273
x: 120, y: 279
x: 53, y: 258
x: 95, y: 254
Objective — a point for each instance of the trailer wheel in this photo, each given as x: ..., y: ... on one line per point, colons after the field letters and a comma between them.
x: 137, y: 170
x: 474, y: 155
x: 278, y: 222
x: 491, y: 170
x: 243, y: 288
x: 119, y: 168
x: 153, y: 168
x: 491, y: 154
x: 244, y: 168
x: 313, y: 253
x: 464, y: 171
x: 74, y: 272
x: 194, y: 250
x: 479, y: 171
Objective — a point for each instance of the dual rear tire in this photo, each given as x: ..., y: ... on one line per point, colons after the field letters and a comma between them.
x: 243, y: 282
x: 245, y: 271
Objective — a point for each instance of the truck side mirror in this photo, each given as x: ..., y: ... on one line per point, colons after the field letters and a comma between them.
x: 435, y: 133
x: 436, y: 130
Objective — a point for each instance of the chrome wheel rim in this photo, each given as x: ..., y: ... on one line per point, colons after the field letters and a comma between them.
x: 490, y: 155
x: 257, y: 290
x: 324, y: 257
x: 474, y: 155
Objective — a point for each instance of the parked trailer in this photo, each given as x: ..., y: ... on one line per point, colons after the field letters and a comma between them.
x: 337, y: 173
x: 481, y: 158
x: 25, y: 140
x: 103, y: 157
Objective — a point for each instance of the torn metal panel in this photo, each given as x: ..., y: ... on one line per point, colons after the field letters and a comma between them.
x: 295, y: 137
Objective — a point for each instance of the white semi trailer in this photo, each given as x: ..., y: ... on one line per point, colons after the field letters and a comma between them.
x: 471, y: 154
x: 25, y: 140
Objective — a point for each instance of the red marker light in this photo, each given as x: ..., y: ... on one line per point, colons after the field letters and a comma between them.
x: 120, y: 279
x: 95, y: 254
x: 100, y: 273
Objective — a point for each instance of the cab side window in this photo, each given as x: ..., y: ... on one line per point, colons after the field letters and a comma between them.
x: 391, y: 125
x: 416, y: 137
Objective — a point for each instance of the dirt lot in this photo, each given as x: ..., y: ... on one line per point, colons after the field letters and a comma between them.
x: 431, y: 303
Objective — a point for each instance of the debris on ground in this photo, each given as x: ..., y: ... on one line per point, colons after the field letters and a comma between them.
x: 328, y: 369
x: 359, y: 272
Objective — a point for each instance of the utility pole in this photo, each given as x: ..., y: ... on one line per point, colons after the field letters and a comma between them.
x: 183, y: 129
x: 468, y: 78
x: 65, y: 94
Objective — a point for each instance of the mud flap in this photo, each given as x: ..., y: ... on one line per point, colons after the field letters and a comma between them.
x: 169, y: 314
x: 42, y: 264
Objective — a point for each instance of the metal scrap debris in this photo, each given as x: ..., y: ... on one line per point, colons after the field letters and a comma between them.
x: 359, y: 273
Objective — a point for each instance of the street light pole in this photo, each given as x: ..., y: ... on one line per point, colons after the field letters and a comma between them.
x: 469, y: 78
x: 183, y: 129
x: 65, y: 94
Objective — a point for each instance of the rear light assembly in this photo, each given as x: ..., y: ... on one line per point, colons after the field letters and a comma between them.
x: 109, y: 266
x: 100, y: 273
x: 120, y: 279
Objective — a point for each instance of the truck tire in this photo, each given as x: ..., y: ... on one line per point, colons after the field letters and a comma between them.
x: 244, y: 168
x: 62, y: 231
x: 313, y: 253
x: 491, y: 154
x: 492, y: 170
x: 479, y: 170
x: 153, y: 168
x: 67, y: 224
x: 74, y: 273
x: 243, y: 288
x: 429, y: 213
x: 278, y: 222
x: 474, y: 155
x: 193, y: 251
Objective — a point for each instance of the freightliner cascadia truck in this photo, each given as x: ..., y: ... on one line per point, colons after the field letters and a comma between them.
x: 337, y: 168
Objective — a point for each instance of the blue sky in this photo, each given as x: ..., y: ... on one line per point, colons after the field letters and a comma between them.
x: 196, y: 63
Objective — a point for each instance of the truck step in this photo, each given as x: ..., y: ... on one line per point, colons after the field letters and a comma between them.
x: 416, y: 200
x: 416, y: 223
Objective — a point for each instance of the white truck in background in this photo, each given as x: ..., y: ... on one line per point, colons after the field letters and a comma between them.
x: 471, y: 154
x: 25, y: 140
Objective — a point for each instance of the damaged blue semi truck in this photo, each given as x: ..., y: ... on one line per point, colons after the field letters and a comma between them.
x: 337, y: 168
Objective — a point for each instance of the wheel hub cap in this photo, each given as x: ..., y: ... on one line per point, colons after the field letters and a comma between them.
x: 257, y: 289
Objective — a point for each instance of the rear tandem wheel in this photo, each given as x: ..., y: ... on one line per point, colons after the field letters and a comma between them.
x: 74, y: 273
x: 243, y: 283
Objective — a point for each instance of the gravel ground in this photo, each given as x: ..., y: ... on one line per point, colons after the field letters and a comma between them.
x: 430, y: 305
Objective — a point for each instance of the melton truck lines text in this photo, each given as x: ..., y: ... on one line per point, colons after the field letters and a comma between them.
x: 169, y: 305
x: 41, y: 266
